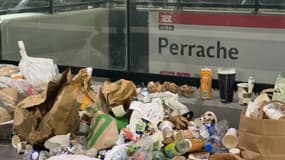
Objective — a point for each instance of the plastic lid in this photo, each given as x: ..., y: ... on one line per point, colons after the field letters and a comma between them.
x: 235, y: 151
x: 208, y: 148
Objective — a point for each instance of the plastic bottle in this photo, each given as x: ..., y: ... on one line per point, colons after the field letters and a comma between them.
x: 145, y: 148
x: 221, y: 128
x: 204, y: 132
x: 157, y: 155
x: 250, y: 84
x: 213, y: 144
x: 177, y: 148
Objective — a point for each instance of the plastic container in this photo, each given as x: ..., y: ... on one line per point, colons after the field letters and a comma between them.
x: 213, y: 144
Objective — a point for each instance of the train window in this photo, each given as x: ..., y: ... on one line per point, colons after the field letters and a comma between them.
x: 81, y: 33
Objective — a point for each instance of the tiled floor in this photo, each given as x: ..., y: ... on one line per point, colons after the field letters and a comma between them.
x: 7, y: 152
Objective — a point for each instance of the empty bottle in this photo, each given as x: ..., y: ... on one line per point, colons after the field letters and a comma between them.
x: 213, y: 144
x: 177, y: 148
x: 222, y: 127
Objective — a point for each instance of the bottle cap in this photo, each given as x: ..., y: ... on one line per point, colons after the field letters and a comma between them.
x: 208, y: 148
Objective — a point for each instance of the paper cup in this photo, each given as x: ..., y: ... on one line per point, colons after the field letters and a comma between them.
x: 230, y: 139
x: 166, y: 125
x: 83, y: 127
x: 243, y: 95
x: 226, y: 79
x: 252, y: 110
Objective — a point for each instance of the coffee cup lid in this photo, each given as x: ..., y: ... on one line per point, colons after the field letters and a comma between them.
x: 242, y: 84
x: 226, y: 70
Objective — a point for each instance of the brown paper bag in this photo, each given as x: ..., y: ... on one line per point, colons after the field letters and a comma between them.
x: 4, y: 115
x: 119, y: 95
x: 30, y: 111
x: 55, y: 110
x: 103, y: 132
x: 262, y: 139
x: 119, y: 92
x: 101, y: 101
x: 24, y: 122
x: 225, y: 156
x: 63, y: 116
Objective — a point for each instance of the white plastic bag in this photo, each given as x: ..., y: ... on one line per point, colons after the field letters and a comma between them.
x: 37, y: 71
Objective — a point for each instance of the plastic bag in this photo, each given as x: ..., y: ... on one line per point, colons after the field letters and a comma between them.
x: 9, y: 96
x: 37, y: 71
x: 23, y: 87
x: 8, y: 70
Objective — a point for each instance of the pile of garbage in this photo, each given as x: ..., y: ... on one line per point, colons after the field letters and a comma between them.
x: 65, y: 116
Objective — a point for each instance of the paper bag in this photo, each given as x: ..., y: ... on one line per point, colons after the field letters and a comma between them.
x: 24, y: 122
x: 119, y: 95
x: 30, y: 111
x: 225, y: 156
x: 101, y: 101
x: 261, y: 139
x: 83, y: 102
x: 4, y: 115
x: 55, y: 110
x: 63, y: 116
x: 103, y: 132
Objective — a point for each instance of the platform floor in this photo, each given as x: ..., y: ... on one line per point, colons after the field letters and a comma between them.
x: 7, y: 152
